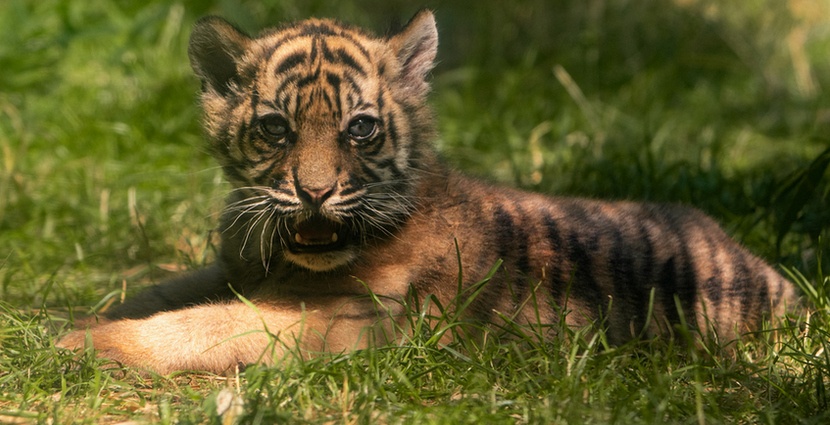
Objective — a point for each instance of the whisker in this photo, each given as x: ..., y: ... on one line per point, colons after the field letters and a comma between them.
x: 247, y: 201
x: 251, y: 225
x: 372, y: 209
x: 248, y: 210
x: 266, y: 260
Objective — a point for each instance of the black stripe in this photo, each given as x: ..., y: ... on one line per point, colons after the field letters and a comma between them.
x: 267, y: 173
x: 552, y: 233
x: 392, y: 129
x: 668, y: 288
x: 328, y: 56
x: 522, y: 266
x: 381, y: 102
x: 351, y: 204
x: 505, y: 231
x: 557, y: 285
x: 331, y: 104
x: 382, y: 163
x: 371, y: 148
x: 223, y: 147
x: 290, y: 62
x: 575, y: 214
x: 714, y: 289
x: 779, y: 293
x: 281, y: 91
x: 334, y: 81
x: 678, y: 277
x: 646, y: 268
x: 511, y: 239
x: 645, y: 278
x: 397, y: 173
x: 372, y: 176
x: 687, y: 288
x: 378, y: 161
x: 270, y: 103
x: 741, y: 286
x: 265, y: 149
x: 341, y: 56
x: 350, y: 61
x: 762, y: 295
x: 280, y: 185
x: 317, y: 29
x: 246, y: 74
x: 585, y: 287
x: 350, y: 189
x: 252, y: 123
x: 232, y: 173
x: 523, y: 259
x: 262, y: 147
x: 281, y: 203
x: 243, y: 135
x: 252, y: 106
x: 355, y: 91
x: 627, y: 287
x: 312, y: 56
x: 713, y: 286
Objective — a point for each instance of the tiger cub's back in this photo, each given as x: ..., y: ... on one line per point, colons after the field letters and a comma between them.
x: 638, y: 268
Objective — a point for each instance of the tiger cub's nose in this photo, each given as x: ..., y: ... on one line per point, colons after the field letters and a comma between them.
x: 314, y: 197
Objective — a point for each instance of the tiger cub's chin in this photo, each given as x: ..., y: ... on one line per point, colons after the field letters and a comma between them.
x: 322, y: 261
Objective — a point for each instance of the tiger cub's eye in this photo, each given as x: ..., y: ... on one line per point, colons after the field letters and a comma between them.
x: 274, y: 126
x: 362, y: 128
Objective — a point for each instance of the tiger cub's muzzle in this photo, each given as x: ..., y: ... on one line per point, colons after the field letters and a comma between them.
x: 316, y: 234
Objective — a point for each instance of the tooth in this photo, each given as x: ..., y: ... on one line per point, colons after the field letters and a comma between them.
x: 334, y: 237
x: 298, y: 238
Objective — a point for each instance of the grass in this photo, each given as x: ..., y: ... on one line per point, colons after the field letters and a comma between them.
x: 105, y: 184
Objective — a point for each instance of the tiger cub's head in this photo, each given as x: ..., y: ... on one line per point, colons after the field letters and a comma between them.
x: 321, y: 129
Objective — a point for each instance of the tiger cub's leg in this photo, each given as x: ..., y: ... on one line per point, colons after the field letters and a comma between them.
x: 187, y: 290
x: 216, y: 337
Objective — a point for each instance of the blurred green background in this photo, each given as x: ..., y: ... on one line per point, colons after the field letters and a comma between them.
x: 104, y: 177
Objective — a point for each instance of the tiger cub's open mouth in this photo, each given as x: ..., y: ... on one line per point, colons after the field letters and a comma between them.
x: 317, y: 234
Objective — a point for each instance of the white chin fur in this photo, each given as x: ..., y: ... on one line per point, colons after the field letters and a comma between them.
x: 321, y: 262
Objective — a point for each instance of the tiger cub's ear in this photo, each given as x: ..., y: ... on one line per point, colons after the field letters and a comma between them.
x: 415, y: 48
x: 216, y: 47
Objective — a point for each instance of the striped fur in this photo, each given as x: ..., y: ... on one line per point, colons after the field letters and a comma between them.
x: 325, y: 134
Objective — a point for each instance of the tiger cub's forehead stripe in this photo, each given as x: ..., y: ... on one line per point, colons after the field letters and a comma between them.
x: 336, y: 47
x: 357, y: 39
x: 318, y: 64
x: 290, y: 62
x: 315, y: 28
x: 307, y: 52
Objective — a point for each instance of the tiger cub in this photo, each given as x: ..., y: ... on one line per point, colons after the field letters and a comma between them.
x: 339, y: 200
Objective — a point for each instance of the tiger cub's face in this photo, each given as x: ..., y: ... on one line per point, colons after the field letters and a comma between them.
x: 320, y: 129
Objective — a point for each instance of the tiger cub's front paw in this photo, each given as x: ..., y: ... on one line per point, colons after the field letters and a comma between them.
x: 77, y: 339
x: 98, y: 338
x: 73, y: 341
